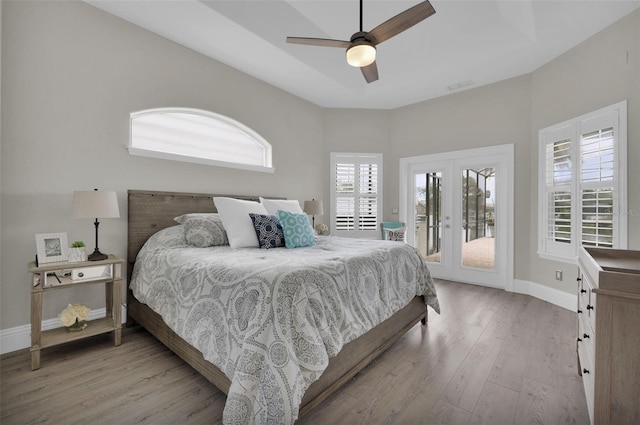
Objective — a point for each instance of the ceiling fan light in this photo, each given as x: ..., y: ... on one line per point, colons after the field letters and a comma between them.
x: 360, y: 55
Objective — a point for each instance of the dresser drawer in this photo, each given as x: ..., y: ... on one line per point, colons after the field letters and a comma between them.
x: 586, y: 338
x: 588, y: 373
x: 583, y: 295
x: 587, y: 354
x: 587, y: 300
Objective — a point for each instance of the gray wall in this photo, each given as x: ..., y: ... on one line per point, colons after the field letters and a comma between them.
x: 496, y: 114
x: 358, y: 131
x: 599, y: 72
x: 71, y: 74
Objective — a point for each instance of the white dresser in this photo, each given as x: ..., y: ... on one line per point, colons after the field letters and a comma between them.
x: 609, y: 334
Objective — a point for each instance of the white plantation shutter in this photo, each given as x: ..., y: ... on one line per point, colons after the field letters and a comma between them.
x: 597, y: 159
x: 368, y: 199
x: 597, y: 217
x: 559, y: 225
x: 356, y: 195
x: 583, y: 184
x: 559, y: 177
x: 597, y: 156
x: 345, y: 183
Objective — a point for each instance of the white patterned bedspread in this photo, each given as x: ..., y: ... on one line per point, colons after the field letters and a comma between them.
x: 269, y: 319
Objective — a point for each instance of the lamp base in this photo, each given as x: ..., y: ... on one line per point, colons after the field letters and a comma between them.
x: 97, y: 256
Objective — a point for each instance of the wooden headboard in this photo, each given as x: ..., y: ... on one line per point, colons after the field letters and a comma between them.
x: 151, y: 211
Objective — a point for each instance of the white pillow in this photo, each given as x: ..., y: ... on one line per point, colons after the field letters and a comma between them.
x: 235, y: 218
x: 273, y: 205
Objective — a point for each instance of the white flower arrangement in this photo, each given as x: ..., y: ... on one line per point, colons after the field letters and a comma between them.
x: 73, y: 313
x: 322, y: 229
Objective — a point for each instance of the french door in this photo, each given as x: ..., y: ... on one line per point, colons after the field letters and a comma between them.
x: 458, y: 207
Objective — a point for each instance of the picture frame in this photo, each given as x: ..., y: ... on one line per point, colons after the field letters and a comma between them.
x: 52, y: 247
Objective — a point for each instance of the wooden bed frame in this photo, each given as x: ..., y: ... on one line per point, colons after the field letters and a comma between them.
x: 151, y: 211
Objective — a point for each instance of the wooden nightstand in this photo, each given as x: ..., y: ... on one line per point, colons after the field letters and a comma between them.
x: 55, y: 276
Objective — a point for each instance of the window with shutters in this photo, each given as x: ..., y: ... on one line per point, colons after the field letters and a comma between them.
x: 582, y: 186
x: 356, y: 196
x: 197, y: 136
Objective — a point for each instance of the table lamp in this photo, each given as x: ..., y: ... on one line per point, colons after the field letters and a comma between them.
x: 95, y: 204
x: 313, y: 208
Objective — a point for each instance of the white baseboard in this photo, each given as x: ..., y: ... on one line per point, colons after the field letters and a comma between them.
x: 546, y: 293
x: 17, y: 338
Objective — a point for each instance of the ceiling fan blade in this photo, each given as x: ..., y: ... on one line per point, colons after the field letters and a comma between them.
x: 370, y: 72
x: 326, y: 42
x: 401, y: 22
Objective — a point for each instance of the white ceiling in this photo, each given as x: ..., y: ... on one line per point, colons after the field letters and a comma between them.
x: 466, y: 43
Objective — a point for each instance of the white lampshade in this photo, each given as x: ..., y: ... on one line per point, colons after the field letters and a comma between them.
x: 361, y: 54
x: 313, y: 207
x: 95, y: 204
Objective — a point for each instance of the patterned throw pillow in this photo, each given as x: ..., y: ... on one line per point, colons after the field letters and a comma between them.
x: 395, y: 234
x: 297, y: 229
x: 203, y: 229
x: 268, y: 230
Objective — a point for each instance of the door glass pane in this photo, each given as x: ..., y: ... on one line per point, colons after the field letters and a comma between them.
x: 478, y: 218
x: 428, y: 215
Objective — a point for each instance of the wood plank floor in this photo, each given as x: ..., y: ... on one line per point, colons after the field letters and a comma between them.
x: 491, y: 357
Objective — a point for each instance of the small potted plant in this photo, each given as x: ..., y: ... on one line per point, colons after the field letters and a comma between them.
x: 77, y: 252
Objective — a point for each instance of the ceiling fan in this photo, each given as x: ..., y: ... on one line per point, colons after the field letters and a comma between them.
x: 361, y: 49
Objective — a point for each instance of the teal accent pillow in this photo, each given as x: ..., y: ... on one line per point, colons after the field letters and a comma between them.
x: 297, y: 229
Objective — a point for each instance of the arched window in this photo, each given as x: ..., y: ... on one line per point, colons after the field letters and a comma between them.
x: 202, y: 137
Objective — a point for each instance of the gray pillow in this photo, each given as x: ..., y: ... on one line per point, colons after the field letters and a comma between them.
x: 203, y: 229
